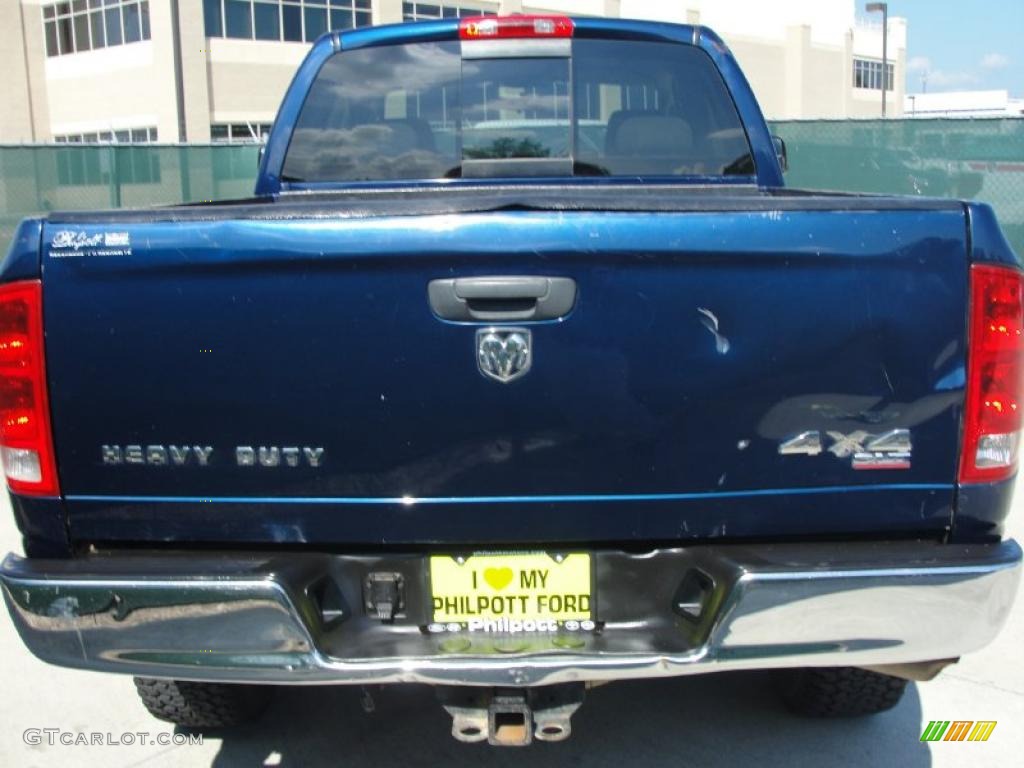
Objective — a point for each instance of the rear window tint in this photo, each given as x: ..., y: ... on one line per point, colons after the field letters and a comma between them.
x: 418, y: 111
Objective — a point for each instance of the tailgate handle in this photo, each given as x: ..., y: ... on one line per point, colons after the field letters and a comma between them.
x: 501, y: 298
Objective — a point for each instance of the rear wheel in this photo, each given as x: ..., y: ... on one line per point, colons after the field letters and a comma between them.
x: 202, y: 705
x: 840, y: 691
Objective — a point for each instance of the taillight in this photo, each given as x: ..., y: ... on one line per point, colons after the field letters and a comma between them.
x: 26, y: 445
x: 992, y: 410
x: 506, y: 27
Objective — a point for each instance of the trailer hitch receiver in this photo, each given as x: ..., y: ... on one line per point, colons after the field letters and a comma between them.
x: 512, y: 717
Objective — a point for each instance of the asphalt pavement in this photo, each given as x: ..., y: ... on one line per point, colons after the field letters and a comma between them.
x: 727, y: 719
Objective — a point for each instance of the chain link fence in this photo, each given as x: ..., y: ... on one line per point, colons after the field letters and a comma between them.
x: 971, y: 159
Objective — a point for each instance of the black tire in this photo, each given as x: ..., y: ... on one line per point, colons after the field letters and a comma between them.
x: 202, y: 705
x: 840, y: 691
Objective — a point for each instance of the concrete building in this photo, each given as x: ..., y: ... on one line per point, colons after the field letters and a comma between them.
x: 803, y: 58
x: 215, y: 70
x: 963, y: 104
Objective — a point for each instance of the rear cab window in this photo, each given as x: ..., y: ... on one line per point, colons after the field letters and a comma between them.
x: 422, y: 111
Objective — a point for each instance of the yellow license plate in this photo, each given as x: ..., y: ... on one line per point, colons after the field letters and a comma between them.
x: 488, y: 591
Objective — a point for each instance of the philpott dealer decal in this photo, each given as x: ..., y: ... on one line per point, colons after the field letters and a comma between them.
x: 74, y: 242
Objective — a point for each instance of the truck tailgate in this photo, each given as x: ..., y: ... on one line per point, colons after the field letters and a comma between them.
x: 283, y: 378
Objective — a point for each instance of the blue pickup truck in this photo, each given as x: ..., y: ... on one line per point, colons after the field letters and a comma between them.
x: 520, y: 372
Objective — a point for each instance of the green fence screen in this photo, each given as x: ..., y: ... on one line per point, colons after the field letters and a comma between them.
x: 969, y: 159
x: 972, y: 159
x: 37, y: 179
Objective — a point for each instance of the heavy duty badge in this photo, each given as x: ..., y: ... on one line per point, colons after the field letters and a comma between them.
x: 204, y: 455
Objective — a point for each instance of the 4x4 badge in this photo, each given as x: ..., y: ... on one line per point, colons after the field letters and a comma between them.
x: 888, y: 450
x: 503, y: 354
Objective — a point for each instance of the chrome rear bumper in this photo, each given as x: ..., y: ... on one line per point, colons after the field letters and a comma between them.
x: 299, y: 618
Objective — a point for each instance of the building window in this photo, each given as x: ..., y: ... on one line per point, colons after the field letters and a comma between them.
x: 238, y: 19
x: 266, y: 20
x: 289, y: 20
x: 426, y: 11
x: 239, y: 133
x: 868, y: 74
x: 85, y: 25
x: 124, y: 136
